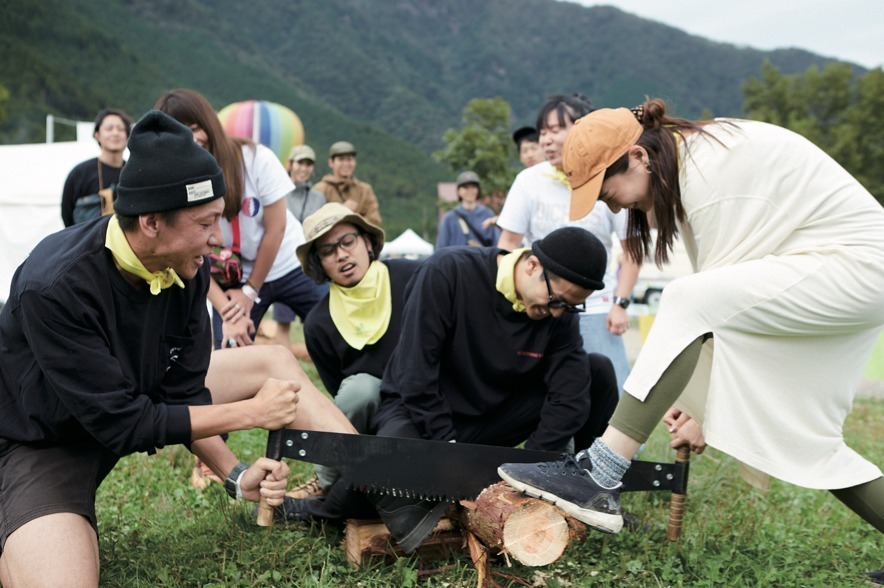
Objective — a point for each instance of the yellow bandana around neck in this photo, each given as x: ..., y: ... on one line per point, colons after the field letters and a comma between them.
x: 362, y: 313
x: 559, y: 176
x: 123, y: 254
x: 506, y: 278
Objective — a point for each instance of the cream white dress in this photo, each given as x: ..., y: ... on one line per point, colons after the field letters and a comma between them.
x: 789, y: 254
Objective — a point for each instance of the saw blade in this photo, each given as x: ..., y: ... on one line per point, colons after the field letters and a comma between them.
x: 408, y: 467
x: 438, y: 470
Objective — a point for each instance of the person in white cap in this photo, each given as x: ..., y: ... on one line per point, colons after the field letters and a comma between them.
x: 302, y: 202
x: 465, y: 224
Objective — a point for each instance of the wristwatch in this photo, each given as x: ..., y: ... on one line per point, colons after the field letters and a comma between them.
x: 621, y: 302
x: 231, y: 483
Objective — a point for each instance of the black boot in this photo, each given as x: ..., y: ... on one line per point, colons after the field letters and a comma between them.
x: 875, y: 577
x: 339, y: 503
x: 409, y: 520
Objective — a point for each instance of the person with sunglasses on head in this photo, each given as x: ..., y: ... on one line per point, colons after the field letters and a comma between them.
x: 765, y: 344
x: 490, y: 352
x: 350, y: 334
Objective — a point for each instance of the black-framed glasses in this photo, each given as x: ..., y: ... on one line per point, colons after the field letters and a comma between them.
x: 555, y: 303
x: 347, y: 242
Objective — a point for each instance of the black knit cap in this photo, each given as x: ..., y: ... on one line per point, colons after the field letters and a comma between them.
x: 575, y: 255
x: 166, y: 170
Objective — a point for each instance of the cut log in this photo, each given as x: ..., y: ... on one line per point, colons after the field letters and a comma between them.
x: 369, y: 541
x: 531, y: 531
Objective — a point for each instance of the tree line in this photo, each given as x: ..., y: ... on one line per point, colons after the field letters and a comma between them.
x: 840, y: 112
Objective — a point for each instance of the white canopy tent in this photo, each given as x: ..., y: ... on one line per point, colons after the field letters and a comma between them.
x: 31, y: 182
x: 408, y: 244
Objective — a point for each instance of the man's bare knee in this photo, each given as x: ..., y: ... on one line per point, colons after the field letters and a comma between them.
x: 68, y: 537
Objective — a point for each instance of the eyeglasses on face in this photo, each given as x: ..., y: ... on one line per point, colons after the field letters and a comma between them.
x: 347, y: 242
x: 554, y: 303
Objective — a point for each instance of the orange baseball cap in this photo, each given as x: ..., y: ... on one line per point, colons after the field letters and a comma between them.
x: 594, y: 143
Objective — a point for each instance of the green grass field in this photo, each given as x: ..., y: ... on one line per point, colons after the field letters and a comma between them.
x: 156, y: 530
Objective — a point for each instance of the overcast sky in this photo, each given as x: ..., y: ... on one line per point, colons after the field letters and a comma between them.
x: 851, y: 30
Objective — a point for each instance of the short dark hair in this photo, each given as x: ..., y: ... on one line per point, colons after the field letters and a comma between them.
x: 525, y: 134
x: 314, y: 267
x: 106, y: 112
x: 129, y: 222
x: 574, y: 105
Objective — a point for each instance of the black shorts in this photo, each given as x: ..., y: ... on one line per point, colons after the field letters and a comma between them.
x: 38, y: 481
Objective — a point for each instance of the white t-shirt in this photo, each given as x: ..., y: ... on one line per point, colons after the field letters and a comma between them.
x: 266, y: 182
x: 538, y: 204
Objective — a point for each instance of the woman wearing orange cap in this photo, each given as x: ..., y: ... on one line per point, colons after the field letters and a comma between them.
x: 788, y: 250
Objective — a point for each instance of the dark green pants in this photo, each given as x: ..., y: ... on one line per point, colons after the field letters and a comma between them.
x: 638, y: 419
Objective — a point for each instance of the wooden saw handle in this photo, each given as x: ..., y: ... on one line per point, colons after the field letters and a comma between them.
x: 274, y: 452
x: 676, y: 505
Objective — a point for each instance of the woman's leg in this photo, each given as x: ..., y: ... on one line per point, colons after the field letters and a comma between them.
x: 634, y: 420
x: 866, y: 500
x: 588, y: 487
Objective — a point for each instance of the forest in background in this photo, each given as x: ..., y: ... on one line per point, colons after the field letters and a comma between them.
x: 391, y: 77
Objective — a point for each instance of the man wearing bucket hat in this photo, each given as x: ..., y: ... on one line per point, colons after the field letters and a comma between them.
x: 465, y: 224
x: 104, y: 351
x: 342, y: 186
x: 350, y: 333
x: 490, y: 353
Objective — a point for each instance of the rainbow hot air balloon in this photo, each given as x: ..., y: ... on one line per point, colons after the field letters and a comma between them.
x: 271, y: 124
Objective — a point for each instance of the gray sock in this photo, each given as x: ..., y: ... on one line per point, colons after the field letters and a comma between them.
x: 607, y: 467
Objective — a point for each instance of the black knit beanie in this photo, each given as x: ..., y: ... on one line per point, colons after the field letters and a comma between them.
x: 575, y: 255
x: 166, y: 169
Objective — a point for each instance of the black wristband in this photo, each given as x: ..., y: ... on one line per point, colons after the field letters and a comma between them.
x: 231, y: 483
x: 621, y: 302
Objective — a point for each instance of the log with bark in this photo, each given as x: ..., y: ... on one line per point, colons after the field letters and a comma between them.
x: 531, y: 531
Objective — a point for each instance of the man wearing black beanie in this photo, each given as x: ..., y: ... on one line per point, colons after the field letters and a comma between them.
x: 104, y: 351
x: 490, y: 353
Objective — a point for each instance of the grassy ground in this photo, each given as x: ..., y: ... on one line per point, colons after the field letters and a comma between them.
x: 155, y: 530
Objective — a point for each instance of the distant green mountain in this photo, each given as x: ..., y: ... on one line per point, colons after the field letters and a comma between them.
x: 389, y: 75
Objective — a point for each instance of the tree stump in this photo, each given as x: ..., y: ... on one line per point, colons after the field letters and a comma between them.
x: 531, y: 531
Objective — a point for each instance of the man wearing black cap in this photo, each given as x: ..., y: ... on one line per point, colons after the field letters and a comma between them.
x: 104, y: 351
x: 490, y: 353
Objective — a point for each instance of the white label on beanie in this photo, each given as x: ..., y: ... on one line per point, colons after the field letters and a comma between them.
x: 199, y: 191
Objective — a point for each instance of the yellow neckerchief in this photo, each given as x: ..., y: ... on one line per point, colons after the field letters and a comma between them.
x: 559, y: 176
x: 506, y: 278
x: 123, y: 254
x: 362, y: 313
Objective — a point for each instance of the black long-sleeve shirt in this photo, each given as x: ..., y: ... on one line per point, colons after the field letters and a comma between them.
x: 84, y: 354
x: 332, y: 355
x: 463, y: 351
x: 83, y: 181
